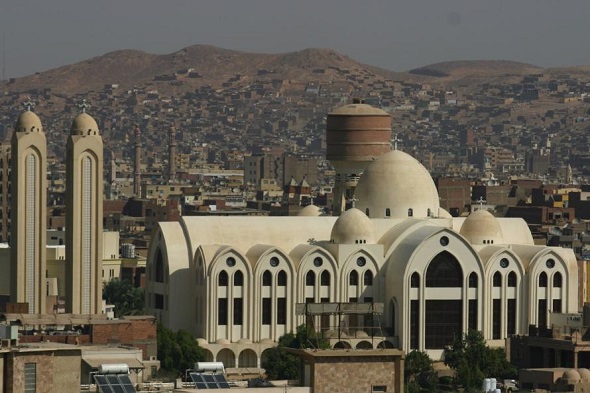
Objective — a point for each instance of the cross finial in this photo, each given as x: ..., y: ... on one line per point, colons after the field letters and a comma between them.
x: 353, y: 201
x: 28, y: 104
x: 395, y: 140
x: 83, y: 105
x: 481, y: 201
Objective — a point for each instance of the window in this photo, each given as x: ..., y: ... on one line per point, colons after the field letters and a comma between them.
x: 512, y: 279
x: 410, y: 212
x: 557, y: 281
x: 354, y: 278
x: 238, y: 278
x: 368, y: 278
x: 231, y: 261
x: 159, y: 266
x: 361, y: 261
x: 325, y: 278
x: 159, y: 301
x: 543, y: 281
x: 266, y: 279
x: 473, y: 280
x: 274, y: 261
x: 238, y: 311
x: 444, y: 272
x: 367, y: 212
x: 266, y: 310
x: 318, y: 261
x: 496, y: 318
x: 497, y: 280
x: 281, y: 311
x: 388, y: 212
x: 222, y: 280
x: 222, y: 311
x: 310, y: 278
x: 30, y: 377
x: 282, y: 279
x: 415, y: 280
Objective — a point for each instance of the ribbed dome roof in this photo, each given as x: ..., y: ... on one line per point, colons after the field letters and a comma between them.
x: 28, y: 122
x: 353, y: 227
x: 84, y: 124
x: 310, y: 211
x: 584, y: 374
x: 358, y: 109
x: 481, y: 227
x: 396, y: 182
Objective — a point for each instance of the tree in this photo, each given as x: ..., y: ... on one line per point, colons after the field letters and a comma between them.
x: 280, y: 364
x: 178, y: 351
x: 473, y: 361
x: 127, y: 299
x: 419, y: 374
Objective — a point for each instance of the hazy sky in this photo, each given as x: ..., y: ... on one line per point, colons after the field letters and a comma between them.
x: 399, y: 35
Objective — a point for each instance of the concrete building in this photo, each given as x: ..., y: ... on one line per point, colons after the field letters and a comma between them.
x: 29, y: 213
x: 84, y: 198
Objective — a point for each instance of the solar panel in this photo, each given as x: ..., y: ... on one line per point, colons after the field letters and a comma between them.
x: 114, y: 383
x: 209, y: 381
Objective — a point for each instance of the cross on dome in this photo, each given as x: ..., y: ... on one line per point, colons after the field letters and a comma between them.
x: 481, y: 201
x: 28, y: 104
x: 83, y: 105
x: 395, y: 140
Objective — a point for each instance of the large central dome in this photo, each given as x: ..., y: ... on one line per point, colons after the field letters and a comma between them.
x: 396, y: 185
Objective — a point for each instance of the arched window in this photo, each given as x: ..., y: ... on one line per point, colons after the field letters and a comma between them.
x: 222, y: 279
x: 388, y: 212
x: 444, y: 272
x: 428, y: 213
x: 473, y: 280
x: 415, y: 280
x: 267, y: 279
x: 159, y: 266
x: 354, y: 278
x: 557, y: 280
x: 368, y: 280
x: 282, y: 279
x: 543, y: 280
x: 497, y: 279
x: 238, y: 278
x: 410, y: 212
x: 512, y: 279
x: 325, y: 278
x: 367, y: 212
x: 310, y: 278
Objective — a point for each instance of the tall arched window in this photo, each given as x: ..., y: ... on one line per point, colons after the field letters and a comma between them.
x: 325, y: 278
x: 388, y: 212
x: 415, y: 280
x: 353, y: 279
x: 512, y: 279
x: 367, y: 212
x: 410, y: 212
x: 238, y: 278
x: 310, y: 278
x: 444, y: 272
x: 497, y: 279
x: 222, y: 280
x: 557, y: 282
x: 282, y: 279
x: 473, y: 280
x: 159, y: 266
x: 368, y: 280
x: 543, y: 280
x: 267, y: 279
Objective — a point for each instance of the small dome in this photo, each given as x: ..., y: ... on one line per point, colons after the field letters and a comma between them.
x: 202, y: 342
x: 310, y: 211
x: 481, y: 227
x: 222, y: 341
x: 28, y: 122
x: 244, y: 341
x: 266, y: 341
x: 396, y: 185
x: 584, y: 374
x: 571, y: 376
x: 353, y: 227
x: 358, y: 109
x: 361, y: 334
x: 84, y: 124
x: 330, y: 333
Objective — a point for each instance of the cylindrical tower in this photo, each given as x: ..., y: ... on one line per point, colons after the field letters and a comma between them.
x: 172, y: 154
x: 356, y: 134
x: 137, y: 167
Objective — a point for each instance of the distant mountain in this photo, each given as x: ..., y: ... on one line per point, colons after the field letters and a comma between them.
x: 469, y: 69
x: 213, y: 65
